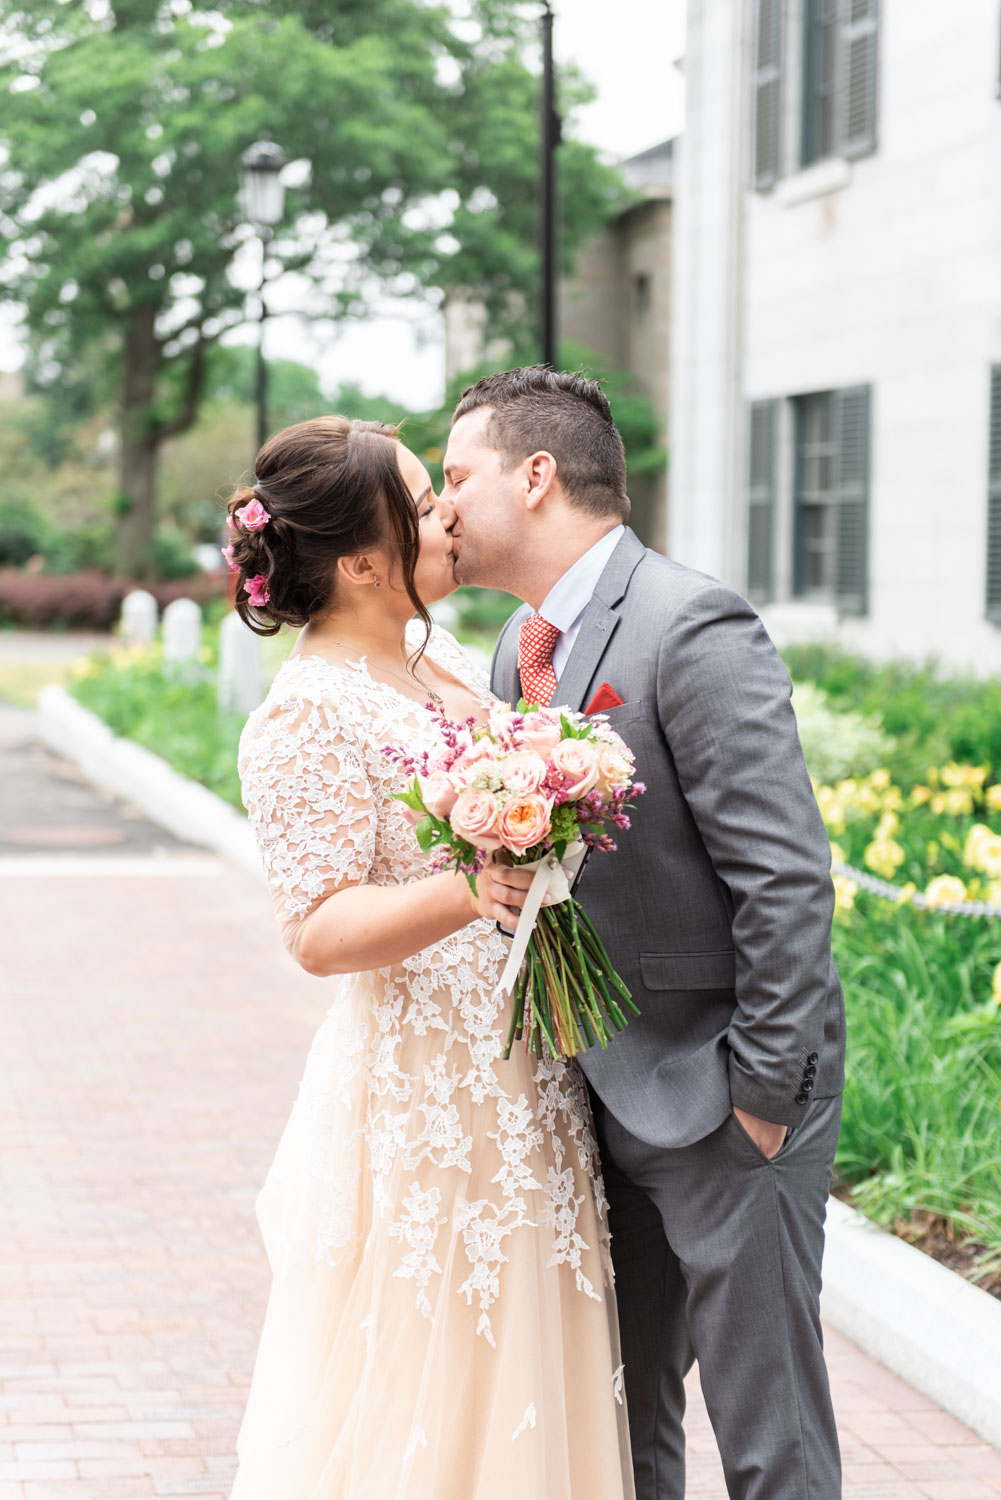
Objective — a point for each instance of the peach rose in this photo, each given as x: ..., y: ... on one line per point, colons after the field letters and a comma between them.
x: 577, y: 763
x: 525, y: 821
x: 540, y: 732
x: 474, y: 818
x: 439, y: 794
x: 522, y: 772
x: 614, y: 768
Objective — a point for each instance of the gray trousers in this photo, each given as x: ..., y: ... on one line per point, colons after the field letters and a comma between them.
x: 717, y: 1254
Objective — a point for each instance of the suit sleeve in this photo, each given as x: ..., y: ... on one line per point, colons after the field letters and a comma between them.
x: 724, y: 704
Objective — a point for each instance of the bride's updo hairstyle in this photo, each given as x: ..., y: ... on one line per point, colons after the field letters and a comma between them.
x: 323, y: 489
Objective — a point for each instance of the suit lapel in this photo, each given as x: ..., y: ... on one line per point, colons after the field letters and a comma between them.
x: 599, y: 623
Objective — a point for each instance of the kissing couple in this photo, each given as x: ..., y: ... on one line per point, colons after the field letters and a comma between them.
x: 491, y: 1277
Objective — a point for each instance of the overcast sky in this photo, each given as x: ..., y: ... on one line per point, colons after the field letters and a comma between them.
x: 628, y: 49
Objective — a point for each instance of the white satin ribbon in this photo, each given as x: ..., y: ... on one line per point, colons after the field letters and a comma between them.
x: 550, y: 879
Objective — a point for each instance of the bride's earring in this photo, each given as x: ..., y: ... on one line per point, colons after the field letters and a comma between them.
x: 377, y: 583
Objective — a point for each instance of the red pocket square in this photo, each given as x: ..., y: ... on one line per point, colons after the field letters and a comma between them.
x: 606, y: 697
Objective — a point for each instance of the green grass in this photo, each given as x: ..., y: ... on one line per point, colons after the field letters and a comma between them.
x: 922, y: 1109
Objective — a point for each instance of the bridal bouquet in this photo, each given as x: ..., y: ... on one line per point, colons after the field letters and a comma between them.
x: 541, y: 784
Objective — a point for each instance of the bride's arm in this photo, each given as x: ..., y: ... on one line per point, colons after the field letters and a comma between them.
x: 371, y: 926
x: 313, y: 813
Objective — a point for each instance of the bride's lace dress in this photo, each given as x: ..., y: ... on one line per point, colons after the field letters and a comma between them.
x: 441, y: 1323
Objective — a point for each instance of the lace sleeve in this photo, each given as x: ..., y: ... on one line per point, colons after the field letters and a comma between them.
x: 310, y: 804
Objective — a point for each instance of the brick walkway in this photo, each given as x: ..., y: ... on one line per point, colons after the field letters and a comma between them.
x: 152, y: 1034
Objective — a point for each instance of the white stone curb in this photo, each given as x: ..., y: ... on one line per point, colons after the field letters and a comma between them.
x: 188, y: 810
x: 922, y: 1321
x: 925, y: 1323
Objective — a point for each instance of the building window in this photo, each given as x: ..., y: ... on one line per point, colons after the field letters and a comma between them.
x: 840, y: 45
x: 761, y: 500
x: 831, y: 498
x: 994, y: 501
x: 816, y: 498
x: 767, y: 92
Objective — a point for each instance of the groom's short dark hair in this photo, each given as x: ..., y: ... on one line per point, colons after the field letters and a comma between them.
x: 535, y: 408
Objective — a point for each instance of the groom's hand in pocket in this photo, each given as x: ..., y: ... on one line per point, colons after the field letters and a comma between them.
x: 767, y: 1137
x: 500, y: 892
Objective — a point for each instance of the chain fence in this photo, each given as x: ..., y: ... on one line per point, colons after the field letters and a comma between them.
x: 895, y: 893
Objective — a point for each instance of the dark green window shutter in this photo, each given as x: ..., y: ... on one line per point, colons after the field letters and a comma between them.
x: 860, y: 43
x: 767, y: 93
x: 994, y: 502
x: 852, y: 426
x: 761, y: 499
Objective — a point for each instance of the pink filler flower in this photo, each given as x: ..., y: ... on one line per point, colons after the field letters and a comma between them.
x: 252, y: 516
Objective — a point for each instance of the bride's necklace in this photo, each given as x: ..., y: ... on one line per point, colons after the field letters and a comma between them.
x: 411, y: 677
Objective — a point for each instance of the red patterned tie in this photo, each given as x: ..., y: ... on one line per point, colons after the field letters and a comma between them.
x: 536, y: 640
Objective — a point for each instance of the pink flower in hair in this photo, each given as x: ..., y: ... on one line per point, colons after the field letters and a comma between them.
x: 257, y: 590
x: 227, y: 553
x: 252, y: 516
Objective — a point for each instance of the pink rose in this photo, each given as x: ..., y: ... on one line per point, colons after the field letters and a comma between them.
x: 476, y: 758
x: 524, y: 822
x: 576, y: 762
x: 474, y: 818
x: 439, y: 793
x: 540, y: 732
x: 257, y: 589
x: 227, y: 553
x: 522, y: 772
x: 252, y: 516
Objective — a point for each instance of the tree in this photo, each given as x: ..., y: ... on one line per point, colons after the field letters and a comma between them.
x: 119, y: 217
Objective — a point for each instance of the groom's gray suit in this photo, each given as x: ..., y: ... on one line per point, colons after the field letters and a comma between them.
x: 716, y: 910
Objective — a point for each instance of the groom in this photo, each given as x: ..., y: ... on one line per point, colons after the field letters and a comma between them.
x: 717, y: 1109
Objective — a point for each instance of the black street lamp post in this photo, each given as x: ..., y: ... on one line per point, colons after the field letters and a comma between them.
x: 550, y: 139
x: 263, y: 204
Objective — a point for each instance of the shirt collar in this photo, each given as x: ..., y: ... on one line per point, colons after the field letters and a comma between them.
x: 571, y: 594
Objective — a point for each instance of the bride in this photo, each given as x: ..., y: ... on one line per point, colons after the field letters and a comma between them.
x: 441, y: 1324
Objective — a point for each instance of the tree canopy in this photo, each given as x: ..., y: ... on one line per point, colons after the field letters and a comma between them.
x: 120, y: 219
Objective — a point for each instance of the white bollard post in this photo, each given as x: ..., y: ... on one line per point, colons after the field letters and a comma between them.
x: 182, y: 631
x: 241, y: 674
x: 138, y: 618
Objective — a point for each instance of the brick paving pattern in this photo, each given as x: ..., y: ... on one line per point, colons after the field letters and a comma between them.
x: 152, y: 1034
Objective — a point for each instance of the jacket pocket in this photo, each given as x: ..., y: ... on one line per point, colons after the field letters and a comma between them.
x: 623, y: 713
x: 689, y: 971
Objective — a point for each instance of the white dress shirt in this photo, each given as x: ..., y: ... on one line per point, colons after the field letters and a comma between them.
x: 568, y: 598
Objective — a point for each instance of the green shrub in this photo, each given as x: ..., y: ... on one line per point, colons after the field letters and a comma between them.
x: 836, y: 744
x: 932, y: 717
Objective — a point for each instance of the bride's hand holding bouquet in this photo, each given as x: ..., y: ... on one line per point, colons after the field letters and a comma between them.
x: 537, y: 787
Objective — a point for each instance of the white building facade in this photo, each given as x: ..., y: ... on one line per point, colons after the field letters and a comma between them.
x: 836, y: 372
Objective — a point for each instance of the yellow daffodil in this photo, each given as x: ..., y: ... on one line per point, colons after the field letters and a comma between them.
x: 957, y: 802
x: 945, y: 890
x: 955, y: 775
x: 920, y: 795
x: 880, y: 779
x: 992, y: 893
x: 887, y: 826
x: 983, y: 850
x: 885, y: 857
x: 996, y: 985
x: 992, y: 798
x: 845, y: 891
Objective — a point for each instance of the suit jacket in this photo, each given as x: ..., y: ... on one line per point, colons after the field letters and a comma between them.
x: 716, y: 908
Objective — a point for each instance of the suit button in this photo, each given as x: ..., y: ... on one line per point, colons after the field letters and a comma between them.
x: 810, y: 1071
x: 807, y: 1085
x: 813, y: 1059
x: 802, y: 1098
